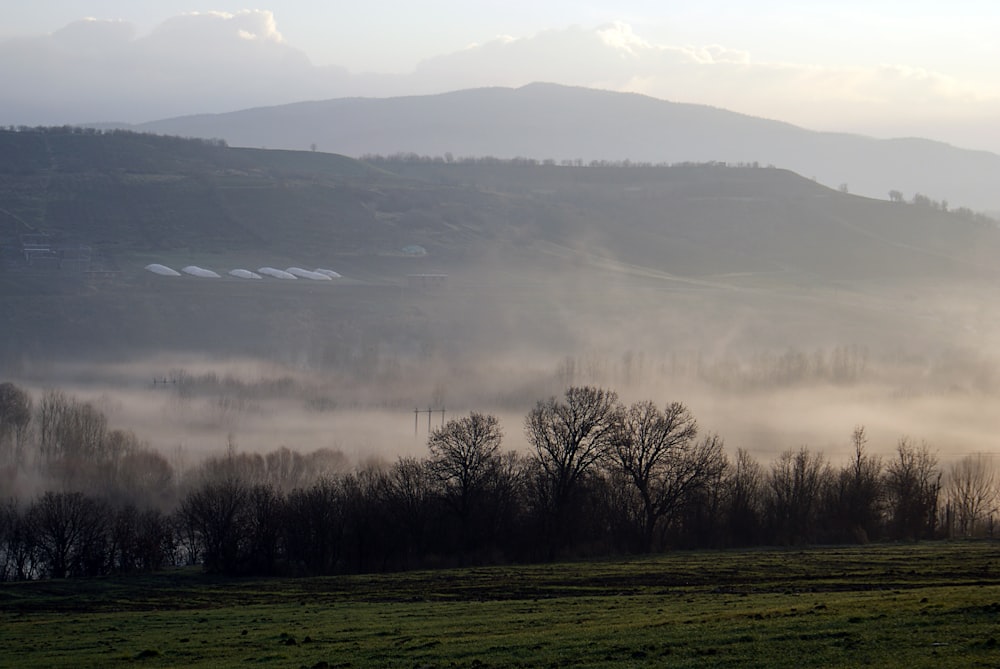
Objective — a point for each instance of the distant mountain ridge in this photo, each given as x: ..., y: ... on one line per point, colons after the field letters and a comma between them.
x: 569, y: 123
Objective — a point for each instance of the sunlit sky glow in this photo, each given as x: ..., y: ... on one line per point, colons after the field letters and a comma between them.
x: 883, y: 68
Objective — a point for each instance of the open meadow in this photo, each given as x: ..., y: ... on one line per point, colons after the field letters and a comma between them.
x: 930, y: 604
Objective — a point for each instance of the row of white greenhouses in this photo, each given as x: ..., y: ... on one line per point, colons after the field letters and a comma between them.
x: 290, y: 274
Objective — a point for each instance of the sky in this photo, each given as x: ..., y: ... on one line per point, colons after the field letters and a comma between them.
x: 882, y: 68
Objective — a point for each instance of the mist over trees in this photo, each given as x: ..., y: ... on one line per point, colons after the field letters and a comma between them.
x: 600, y: 478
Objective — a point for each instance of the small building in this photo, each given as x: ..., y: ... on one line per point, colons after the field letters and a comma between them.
x: 37, y: 251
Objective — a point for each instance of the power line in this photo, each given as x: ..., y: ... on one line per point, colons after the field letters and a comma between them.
x: 429, y: 412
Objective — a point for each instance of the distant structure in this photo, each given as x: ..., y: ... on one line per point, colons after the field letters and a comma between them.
x: 162, y: 270
x: 276, y: 273
x: 39, y: 252
x: 244, y: 274
x: 414, y: 250
x: 308, y: 274
x: 200, y: 272
x: 427, y: 281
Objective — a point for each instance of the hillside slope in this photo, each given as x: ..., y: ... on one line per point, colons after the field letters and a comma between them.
x: 535, y: 255
x: 552, y: 121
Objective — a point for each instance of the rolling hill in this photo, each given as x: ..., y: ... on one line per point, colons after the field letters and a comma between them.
x: 566, y: 123
x: 539, y: 256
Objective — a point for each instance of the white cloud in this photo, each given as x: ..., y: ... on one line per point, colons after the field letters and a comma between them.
x: 864, y: 99
x: 200, y: 62
x: 222, y: 25
x: 90, y: 34
x: 213, y: 61
x: 258, y: 24
x: 620, y: 36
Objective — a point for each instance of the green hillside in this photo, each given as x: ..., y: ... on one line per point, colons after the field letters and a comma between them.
x: 540, y: 244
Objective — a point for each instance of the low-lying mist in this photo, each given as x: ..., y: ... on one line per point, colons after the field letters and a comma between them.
x: 189, y: 407
x: 768, y: 361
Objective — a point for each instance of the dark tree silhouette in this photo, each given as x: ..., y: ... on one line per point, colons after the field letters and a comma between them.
x: 15, y: 417
x: 569, y: 437
x: 315, y: 520
x: 70, y: 531
x: 856, y: 504
x: 410, y: 492
x: 215, y: 516
x: 912, y: 485
x: 796, y: 487
x: 464, y: 458
x: 972, y: 492
x: 744, y: 500
x: 17, y: 544
x: 657, y: 453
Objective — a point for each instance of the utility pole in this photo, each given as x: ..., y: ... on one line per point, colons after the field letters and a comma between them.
x: 429, y: 412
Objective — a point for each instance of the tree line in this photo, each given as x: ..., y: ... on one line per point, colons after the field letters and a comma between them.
x: 411, y: 158
x: 925, y: 202
x: 600, y: 477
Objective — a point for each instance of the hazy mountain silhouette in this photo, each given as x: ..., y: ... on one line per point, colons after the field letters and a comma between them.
x: 566, y: 123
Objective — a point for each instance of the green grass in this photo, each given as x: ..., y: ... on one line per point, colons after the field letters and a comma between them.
x: 923, y: 605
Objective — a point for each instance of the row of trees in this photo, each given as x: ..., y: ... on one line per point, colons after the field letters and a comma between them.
x: 522, y: 161
x: 67, y: 445
x: 601, y: 477
x: 60, y: 443
x: 68, y: 534
x: 108, y: 132
x: 923, y: 201
x: 839, y: 365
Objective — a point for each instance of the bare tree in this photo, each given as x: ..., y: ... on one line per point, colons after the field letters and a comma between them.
x: 858, y: 495
x: 325, y: 463
x: 15, y: 418
x: 912, y: 485
x: 744, y: 499
x: 506, y: 493
x: 464, y: 456
x: 366, y: 515
x: 658, y: 454
x: 286, y: 469
x: 108, y: 465
x: 147, y: 479
x: 972, y: 491
x: 69, y: 529
x: 18, y: 554
x: 410, y: 493
x: 796, y: 484
x: 140, y: 540
x: 262, y: 521
x: 53, y: 406
x: 72, y: 439
x: 214, y: 516
x: 315, y: 522
x: 569, y: 437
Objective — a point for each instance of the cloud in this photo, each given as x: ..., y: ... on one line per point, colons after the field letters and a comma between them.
x: 864, y: 99
x: 96, y: 70
x: 93, y: 35
x: 214, y: 27
x: 619, y: 35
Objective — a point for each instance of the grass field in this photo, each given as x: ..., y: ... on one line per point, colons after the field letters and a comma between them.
x: 901, y: 605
